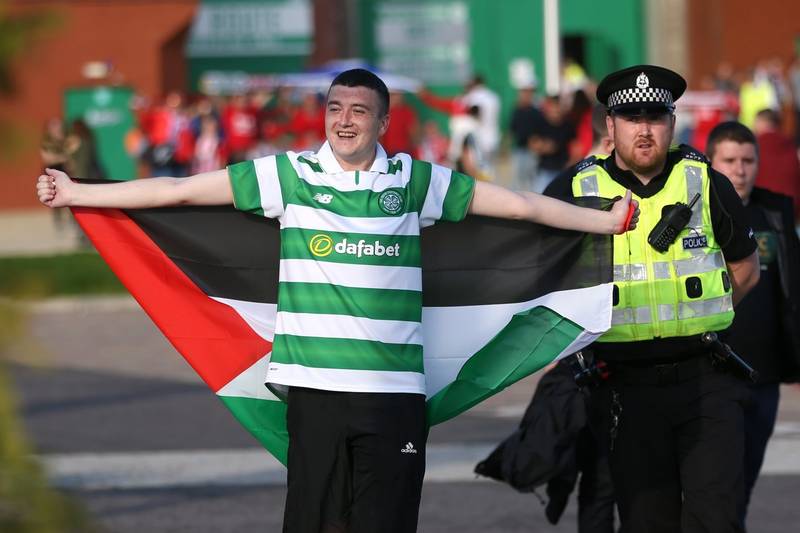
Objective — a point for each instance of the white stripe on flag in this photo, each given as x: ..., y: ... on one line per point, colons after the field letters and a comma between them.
x: 299, y: 216
x: 348, y: 327
x: 250, y: 383
x: 453, y: 334
x: 348, y: 275
x: 259, y: 316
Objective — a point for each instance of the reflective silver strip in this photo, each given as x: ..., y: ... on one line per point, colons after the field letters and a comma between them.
x: 589, y: 186
x: 631, y: 315
x: 631, y: 272
x: 699, y: 264
x: 714, y: 306
x: 666, y: 312
x: 694, y: 185
x: 661, y: 270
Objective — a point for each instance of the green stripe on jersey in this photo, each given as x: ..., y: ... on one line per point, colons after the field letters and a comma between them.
x: 378, y: 304
x: 246, y: 194
x: 458, y: 197
x: 353, y: 354
x: 420, y: 182
x: 287, y: 177
x: 358, y: 203
x: 351, y: 248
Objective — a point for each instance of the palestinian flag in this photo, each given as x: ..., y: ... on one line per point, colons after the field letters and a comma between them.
x: 501, y: 300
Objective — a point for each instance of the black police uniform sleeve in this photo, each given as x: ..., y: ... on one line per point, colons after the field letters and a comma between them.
x: 561, y: 186
x: 729, y: 219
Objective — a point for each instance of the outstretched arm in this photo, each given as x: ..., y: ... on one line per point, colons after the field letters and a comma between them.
x: 495, y: 201
x: 56, y: 189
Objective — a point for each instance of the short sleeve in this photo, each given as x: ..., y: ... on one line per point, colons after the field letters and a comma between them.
x: 257, y: 187
x: 447, y: 197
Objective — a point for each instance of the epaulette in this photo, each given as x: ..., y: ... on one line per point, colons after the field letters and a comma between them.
x: 692, y: 153
x: 586, y: 163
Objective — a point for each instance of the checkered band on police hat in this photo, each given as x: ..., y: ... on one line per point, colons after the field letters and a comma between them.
x: 635, y: 95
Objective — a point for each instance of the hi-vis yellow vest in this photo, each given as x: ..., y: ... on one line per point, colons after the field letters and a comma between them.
x: 685, y: 291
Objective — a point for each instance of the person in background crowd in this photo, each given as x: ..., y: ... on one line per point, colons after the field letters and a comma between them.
x: 84, y: 161
x: 165, y: 127
x: 434, y: 144
x: 210, y: 152
x: 580, y: 117
x: 54, y: 154
x: 552, y: 143
x: 675, y: 419
x: 239, y: 123
x: 794, y: 85
x: 779, y: 169
x: 307, y: 124
x: 403, y: 131
x: 755, y: 94
x: 476, y: 94
x: 603, y: 144
x: 526, y: 119
x: 772, y: 307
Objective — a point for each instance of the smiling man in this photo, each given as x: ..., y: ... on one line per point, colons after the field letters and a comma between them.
x: 676, y: 420
x: 347, y: 351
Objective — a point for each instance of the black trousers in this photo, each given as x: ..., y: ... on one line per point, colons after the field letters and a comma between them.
x: 759, y: 422
x: 676, y: 438
x: 356, y: 461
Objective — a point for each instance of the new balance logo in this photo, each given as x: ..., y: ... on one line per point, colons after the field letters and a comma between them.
x: 323, y: 198
x: 409, y: 448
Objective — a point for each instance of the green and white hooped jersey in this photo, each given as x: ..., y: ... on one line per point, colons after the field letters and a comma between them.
x: 350, y: 290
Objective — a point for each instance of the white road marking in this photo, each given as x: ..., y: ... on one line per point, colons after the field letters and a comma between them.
x: 254, y: 466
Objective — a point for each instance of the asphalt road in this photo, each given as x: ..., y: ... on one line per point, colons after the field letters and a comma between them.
x: 122, y: 422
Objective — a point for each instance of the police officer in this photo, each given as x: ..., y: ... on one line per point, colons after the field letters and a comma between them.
x: 675, y: 432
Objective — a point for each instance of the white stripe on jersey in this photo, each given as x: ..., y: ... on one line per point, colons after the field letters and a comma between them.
x: 300, y: 216
x: 345, y: 380
x: 269, y: 186
x: 348, y: 327
x: 434, y: 200
x: 350, y: 275
x: 346, y: 181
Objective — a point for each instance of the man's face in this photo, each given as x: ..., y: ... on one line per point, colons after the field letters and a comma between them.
x: 641, y: 141
x: 354, y: 121
x: 738, y: 161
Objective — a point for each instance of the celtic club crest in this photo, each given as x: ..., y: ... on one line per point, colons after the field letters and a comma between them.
x: 390, y: 202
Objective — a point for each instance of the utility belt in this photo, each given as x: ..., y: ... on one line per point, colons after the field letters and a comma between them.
x: 718, y: 357
x: 663, y: 373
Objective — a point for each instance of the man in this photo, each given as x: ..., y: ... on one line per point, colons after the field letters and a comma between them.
x: 676, y: 421
x: 525, y: 120
x: 348, y: 340
x: 778, y: 169
x: 766, y: 329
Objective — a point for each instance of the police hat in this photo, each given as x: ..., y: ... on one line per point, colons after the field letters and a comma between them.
x: 641, y: 90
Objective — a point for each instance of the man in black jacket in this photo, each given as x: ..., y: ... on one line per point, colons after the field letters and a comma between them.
x: 766, y: 329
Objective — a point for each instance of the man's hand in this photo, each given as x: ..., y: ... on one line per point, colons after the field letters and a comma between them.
x: 626, y: 213
x: 54, y: 188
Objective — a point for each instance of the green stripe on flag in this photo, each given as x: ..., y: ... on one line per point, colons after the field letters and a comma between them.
x: 351, y: 354
x: 378, y: 304
x: 265, y: 420
x: 246, y: 193
x: 530, y: 341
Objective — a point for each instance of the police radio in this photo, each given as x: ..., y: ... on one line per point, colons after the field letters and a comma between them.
x: 673, y: 219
